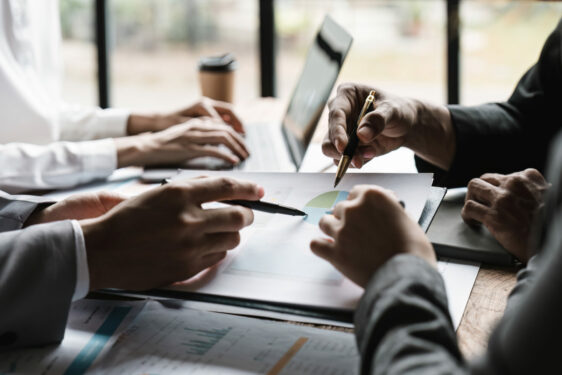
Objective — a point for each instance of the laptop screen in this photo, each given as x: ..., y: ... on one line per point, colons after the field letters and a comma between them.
x: 323, y: 63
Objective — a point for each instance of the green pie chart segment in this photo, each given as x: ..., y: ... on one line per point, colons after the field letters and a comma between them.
x: 322, y: 204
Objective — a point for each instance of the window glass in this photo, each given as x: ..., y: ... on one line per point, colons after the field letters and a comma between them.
x: 500, y: 41
x: 156, y: 45
x: 79, y: 52
x: 398, y: 45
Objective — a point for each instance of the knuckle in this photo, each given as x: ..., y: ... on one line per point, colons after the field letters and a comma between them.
x: 233, y: 240
x: 371, y: 194
x: 237, y: 216
x: 337, y: 233
x: 176, y: 191
x: 334, y: 115
x: 469, y: 205
x: 517, y: 184
x: 331, y: 103
x: 503, y: 201
x: 228, y: 185
x: 345, y: 88
x: 534, y: 175
x: 344, y: 234
x: 191, y: 221
x: 473, y: 183
x: 347, y: 209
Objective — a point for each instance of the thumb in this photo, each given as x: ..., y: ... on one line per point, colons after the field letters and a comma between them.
x: 373, y: 123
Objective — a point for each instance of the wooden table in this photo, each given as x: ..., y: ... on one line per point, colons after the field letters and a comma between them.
x: 493, y: 284
x: 485, y: 307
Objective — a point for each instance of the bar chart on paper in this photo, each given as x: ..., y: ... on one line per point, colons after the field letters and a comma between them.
x: 202, y: 340
x: 179, y: 340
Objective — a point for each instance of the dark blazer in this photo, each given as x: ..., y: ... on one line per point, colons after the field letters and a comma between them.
x: 37, y: 275
x: 403, y: 325
x: 510, y: 136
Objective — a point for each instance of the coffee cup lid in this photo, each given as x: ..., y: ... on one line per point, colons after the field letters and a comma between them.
x: 223, y: 63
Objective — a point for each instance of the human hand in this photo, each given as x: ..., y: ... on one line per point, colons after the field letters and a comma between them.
x: 366, y: 230
x: 382, y: 130
x: 164, y: 235
x: 395, y: 121
x: 219, y: 111
x: 180, y: 143
x: 506, y: 205
x: 77, y: 207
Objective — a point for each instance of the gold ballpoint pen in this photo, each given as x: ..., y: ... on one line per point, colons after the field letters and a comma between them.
x: 352, y: 142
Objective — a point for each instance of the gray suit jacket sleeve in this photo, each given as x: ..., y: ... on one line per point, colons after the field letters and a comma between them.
x: 16, y: 209
x: 403, y: 326
x: 37, y: 281
x: 402, y: 323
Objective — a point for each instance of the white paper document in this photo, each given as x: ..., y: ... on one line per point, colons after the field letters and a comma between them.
x: 164, y: 340
x: 274, y: 262
x: 91, y: 329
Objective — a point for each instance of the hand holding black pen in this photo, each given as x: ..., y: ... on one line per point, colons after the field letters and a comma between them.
x: 259, y: 205
x: 353, y: 141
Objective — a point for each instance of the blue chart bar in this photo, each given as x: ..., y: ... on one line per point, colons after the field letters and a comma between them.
x: 203, y: 340
x: 90, y: 352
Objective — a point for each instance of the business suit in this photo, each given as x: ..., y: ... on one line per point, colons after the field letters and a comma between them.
x: 510, y: 136
x: 37, y: 275
x: 403, y: 325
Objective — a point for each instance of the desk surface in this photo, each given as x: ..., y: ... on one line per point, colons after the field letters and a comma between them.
x: 493, y: 284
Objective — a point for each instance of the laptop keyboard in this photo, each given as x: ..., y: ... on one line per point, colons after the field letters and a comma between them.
x: 263, y: 152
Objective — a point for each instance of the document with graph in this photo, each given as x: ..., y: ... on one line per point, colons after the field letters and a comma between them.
x: 91, y: 329
x: 274, y: 262
x: 179, y: 340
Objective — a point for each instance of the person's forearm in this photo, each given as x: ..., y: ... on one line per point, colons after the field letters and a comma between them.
x: 433, y: 137
x: 55, y: 166
x: 132, y: 151
x: 137, y: 124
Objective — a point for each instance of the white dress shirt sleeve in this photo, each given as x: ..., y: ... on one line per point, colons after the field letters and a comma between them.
x: 57, y: 165
x: 80, y: 123
x: 82, y: 273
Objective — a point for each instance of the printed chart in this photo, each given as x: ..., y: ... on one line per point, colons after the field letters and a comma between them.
x: 185, y: 341
x: 322, y: 204
x: 282, y: 249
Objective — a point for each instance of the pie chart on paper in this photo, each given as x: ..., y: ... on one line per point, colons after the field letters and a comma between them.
x: 322, y: 204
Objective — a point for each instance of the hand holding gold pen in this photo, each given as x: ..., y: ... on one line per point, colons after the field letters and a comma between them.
x: 353, y: 141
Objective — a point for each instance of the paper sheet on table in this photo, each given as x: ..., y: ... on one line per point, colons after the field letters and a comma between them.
x: 164, y: 340
x: 91, y: 329
x: 458, y: 276
x: 274, y: 263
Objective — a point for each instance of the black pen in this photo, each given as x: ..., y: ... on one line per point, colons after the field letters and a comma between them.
x: 271, y: 208
x: 353, y: 141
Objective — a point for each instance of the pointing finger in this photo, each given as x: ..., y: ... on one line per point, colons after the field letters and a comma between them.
x: 222, y: 188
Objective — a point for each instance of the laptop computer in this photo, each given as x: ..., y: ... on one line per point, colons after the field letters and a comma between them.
x: 281, y: 146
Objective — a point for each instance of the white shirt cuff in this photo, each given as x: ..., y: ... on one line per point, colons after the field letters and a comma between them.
x: 79, y: 123
x: 82, y: 273
x: 98, y: 158
x: 112, y: 122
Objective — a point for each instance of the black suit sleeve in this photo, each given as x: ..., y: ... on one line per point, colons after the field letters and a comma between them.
x: 510, y: 136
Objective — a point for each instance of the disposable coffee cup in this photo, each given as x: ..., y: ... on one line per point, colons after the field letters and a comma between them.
x: 216, y: 77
